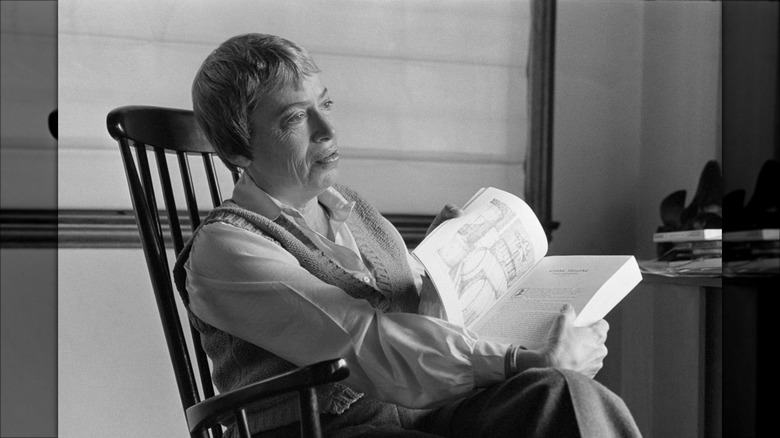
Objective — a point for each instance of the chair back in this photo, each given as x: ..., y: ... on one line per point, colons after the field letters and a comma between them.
x: 168, y: 132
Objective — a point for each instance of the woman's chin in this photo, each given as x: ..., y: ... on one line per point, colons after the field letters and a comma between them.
x: 327, y: 175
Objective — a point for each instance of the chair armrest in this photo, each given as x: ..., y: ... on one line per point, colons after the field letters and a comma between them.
x: 219, y: 408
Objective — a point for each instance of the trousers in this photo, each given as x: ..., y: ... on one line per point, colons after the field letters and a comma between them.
x: 540, y: 402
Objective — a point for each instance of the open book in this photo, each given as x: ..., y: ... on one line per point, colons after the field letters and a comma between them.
x: 490, y: 270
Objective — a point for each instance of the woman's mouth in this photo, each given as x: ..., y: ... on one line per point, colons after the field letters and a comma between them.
x: 330, y: 158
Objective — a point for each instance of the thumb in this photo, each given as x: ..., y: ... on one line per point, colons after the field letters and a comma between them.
x: 564, y: 318
x: 568, y: 311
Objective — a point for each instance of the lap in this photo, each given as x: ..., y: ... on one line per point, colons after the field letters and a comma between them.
x: 541, y: 402
x: 536, y: 403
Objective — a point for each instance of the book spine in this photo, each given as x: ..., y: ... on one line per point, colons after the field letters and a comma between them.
x: 752, y: 235
x: 685, y: 236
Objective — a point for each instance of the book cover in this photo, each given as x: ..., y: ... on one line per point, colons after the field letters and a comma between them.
x: 492, y: 274
x: 689, y: 236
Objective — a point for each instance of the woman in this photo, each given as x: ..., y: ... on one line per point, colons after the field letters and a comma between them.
x: 295, y: 269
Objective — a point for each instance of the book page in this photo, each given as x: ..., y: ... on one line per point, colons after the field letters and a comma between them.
x: 593, y: 285
x: 474, y: 260
x: 524, y: 317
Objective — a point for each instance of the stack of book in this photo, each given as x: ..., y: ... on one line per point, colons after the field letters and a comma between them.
x: 752, y: 252
x: 687, y: 253
x: 690, y: 245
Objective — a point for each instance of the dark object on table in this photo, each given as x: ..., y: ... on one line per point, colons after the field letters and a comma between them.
x: 762, y: 211
x: 706, y: 208
x: 734, y: 204
x: 704, y: 211
x: 53, y: 123
x: 671, y: 209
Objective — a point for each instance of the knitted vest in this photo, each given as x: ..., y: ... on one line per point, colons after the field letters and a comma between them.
x: 237, y: 363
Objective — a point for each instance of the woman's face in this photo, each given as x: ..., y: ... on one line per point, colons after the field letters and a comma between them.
x: 294, y: 142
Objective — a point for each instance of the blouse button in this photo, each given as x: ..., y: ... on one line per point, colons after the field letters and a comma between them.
x: 366, y: 279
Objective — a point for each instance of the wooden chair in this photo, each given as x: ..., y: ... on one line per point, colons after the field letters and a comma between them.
x: 166, y: 131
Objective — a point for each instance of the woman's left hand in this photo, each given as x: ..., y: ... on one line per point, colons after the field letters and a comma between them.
x: 448, y: 212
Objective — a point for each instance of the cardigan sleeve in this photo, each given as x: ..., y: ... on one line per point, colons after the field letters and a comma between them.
x: 248, y: 286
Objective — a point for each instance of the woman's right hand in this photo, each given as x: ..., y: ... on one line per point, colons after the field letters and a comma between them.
x: 576, y: 348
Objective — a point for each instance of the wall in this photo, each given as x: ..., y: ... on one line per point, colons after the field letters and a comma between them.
x: 28, y: 165
x: 597, y: 126
x: 637, y: 116
x: 28, y: 361
x: 29, y: 89
x: 750, y: 93
x: 115, y: 376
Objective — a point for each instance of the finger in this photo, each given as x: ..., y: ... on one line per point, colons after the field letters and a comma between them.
x: 452, y: 211
x: 601, y: 328
x: 600, y: 353
x: 448, y: 212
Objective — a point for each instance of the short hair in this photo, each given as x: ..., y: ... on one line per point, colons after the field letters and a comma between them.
x: 231, y: 81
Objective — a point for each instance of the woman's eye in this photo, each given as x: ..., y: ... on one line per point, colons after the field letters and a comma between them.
x: 328, y: 104
x: 295, y: 118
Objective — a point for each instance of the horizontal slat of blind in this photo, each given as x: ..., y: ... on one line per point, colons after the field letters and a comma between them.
x: 464, y: 31
x: 418, y: 107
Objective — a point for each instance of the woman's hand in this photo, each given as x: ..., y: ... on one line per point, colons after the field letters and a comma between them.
x: 576, y: 348
x: 448, y: 212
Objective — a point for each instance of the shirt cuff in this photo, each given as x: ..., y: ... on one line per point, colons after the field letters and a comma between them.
x: 488, y: 360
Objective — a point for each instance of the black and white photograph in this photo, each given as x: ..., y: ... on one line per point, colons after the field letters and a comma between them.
x: 246, y: 218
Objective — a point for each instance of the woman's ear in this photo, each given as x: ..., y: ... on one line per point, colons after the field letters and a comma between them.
x: 240, y: 161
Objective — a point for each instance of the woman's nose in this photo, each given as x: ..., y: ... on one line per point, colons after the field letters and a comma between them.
x: 322, y: 129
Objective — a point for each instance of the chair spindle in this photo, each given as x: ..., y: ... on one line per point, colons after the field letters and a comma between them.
x: 216, y: 196
x: 189, y: 190
x: 170, y: 201
x: 148, y: 184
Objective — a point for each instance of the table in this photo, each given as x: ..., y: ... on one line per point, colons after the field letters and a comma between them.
x: 665, y: 355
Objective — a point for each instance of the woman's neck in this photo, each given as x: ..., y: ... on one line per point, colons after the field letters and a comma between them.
x: 297, y: 198
x: 316, y: 217
x: 315, y: 214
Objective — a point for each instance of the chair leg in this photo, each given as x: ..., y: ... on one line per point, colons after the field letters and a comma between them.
x: 242, y: 423
x: 310, y: 413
